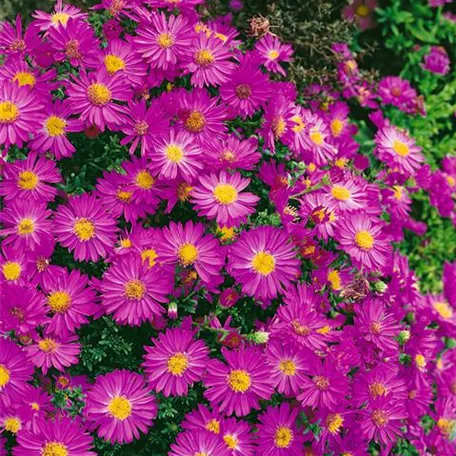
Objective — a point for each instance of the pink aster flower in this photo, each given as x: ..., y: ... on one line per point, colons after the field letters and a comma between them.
x: 381, y: 420
x: 199, y: 443
x: 397, y: 92
x: 176, y: 155
x: 163, y: 42
x: 74, y: 42
x: 133, y: 292
x: 120, y: 405
x: 316, y: 137
x: 437, y: 61
x: 93, y: 96
x: 347, y: 195
x: 15, y: 265
x: 361, y: 12
x: 15, y: 370
x: 278, y: 434
x: 175, y: 362
x: 69, y: 300
x: 272, y: 52
x: 142, y: 124
x: 238, y: 438
x: 30, y: 178
x: 26, y: 224
x: 19, y: 114
x: 237, y: 387
x: 188, y: 246
x: 263, y: 261
x: 61, y: 15
x: 84, y: 226
x: 221, y: 197
x: 52, y: 134
x: 398, y: 150
x: 203, y: 418
x: 247, y: 89
x: 64, y: 436
x: 50, y: 351
x: 327, y: 387
x: 13, y: 42
x: 362, y: 238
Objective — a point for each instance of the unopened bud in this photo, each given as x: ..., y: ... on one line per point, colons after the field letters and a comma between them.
x: 172, y: 310
x: 403, y: 336
x: 259, y: 337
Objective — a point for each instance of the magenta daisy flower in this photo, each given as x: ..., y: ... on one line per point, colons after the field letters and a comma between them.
x: 13, y: 42
x: 263, y: 261
x: 93, y: 96
x: 120, y: 405
x: 62, y: 437
x: 316, y: 141
x: 203, y: 419
x: 50, y: 351
x: 14, y: 265
x: 69, y: 300
x: 238, y: 385
x: 327, y: 387
x: 238, y: 438
x: 29, y: 178
x: 142, y: 124
x: 188, y: 246
x: 247, y: 89
x: 26, y: 224
x: 176, y: 155
x: 272, y: 52
x: 51, y: 135
x: 346, y: 195
x: 15, y: 370
x: 278, y: 434
x: 199, y: 443
x: 18, y: 114
x: 133, y: 292
x: 396, y: 91
x: 60, y: 15
x: 220, y: 197
x: 398, y: 150
x: 163, y: 42
x: 362, y: 238
x: 175, y: 362
x: 208, y: 61
x: 381, y: 420
x: 83, y: 226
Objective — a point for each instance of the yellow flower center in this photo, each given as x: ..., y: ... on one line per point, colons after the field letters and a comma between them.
x: 321, y: 382
x: 341, y: 162
x: 336, y: 127
x: 420, y: 361
x: 401, y: 148
x: 59, y: 301
x: 239, y: 381
x: 141, y: 127
x: 196, y: 454
x: 334, y: 422
x: 340, y: 193
x: 225, y: 194
x: 174, y: 153
x: 48, y: 345
x: 278, y: 126
x: 55, y: 126
x: 35, y: 406
x: 26, y: 226
x: 225, y: 233
x: 4, y: 375
x: 177, y: 364
x: 165, y: 40
x: 362, y: 11
x: 113, y: 64
x: 273, y: 54
x: 188, y: 254
x: 213, y: 426
x: 24, y: 78
x: 125, y: 243
x: 119, y: 407
x: 316, y: 137
x: 334, y: 280
x: 9, y: 112
x: 149, y: 255
x: 288, y: 367
x: 451, y: 181
x: 263, y: 263
x: 230, y: 441
x: 11, y: 270
x: 377, y: 389
x: 379, y: 418
x: 12, y: 425
x: 283, y: 437
x: 145, y: 180
x: 54, y: 449
x: 299, y: 124
x: 84, y: 229
x: 99, y: 94
x: 125, y: 197
x: 183, y: 191
x: 134, y: 289
x: 364, y: 240
x: 61, y: 18
x: 27, y: 180
x: 195, y: 122
x: 398, y: 191
x: 443, y: 309
x: 204, y: 57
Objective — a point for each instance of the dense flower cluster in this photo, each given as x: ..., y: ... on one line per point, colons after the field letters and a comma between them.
x: 234, y: 197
